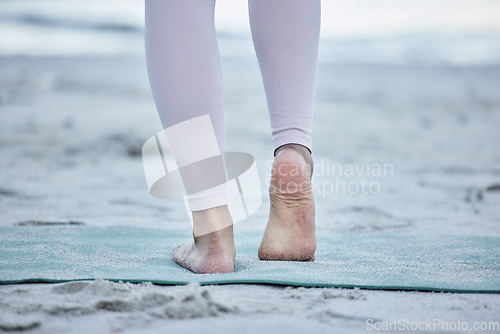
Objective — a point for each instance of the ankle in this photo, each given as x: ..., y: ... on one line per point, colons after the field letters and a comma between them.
x: 211, y: 220
x: 303, y: 151
x: 217, y: 243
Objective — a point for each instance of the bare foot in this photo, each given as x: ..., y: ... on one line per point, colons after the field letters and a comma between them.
x: 290, y: 231
x: 211, y: 252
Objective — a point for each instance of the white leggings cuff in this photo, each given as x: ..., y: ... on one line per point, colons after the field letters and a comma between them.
x: 210, y: 198
x: 292, y: 136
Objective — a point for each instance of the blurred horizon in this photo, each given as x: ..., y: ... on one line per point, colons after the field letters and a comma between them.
x: 425, y: 32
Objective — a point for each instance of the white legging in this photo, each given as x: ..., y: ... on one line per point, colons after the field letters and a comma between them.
x: 186, y: 77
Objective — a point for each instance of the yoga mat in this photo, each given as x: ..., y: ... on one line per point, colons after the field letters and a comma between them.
x: 132, y: 254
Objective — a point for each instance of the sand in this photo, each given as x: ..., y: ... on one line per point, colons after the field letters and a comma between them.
x: 71, y: 130
x: 105, y: 307
x: 70, y: 136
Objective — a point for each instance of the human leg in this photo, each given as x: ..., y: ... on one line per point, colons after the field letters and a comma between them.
x: 286, y: 37
x: 186, y: 80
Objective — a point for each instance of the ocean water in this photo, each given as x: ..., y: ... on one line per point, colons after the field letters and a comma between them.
x: 397, y: 32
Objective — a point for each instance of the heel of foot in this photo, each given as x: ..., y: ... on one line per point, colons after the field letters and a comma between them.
x: 208, y: 254
x: 217, y: 266
x: 290, y: 179
x: 306, y: 254
x: 290, y: 231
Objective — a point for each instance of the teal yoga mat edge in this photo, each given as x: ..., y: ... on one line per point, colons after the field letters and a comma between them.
x: 207, y: 280
x: 267, y: 282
